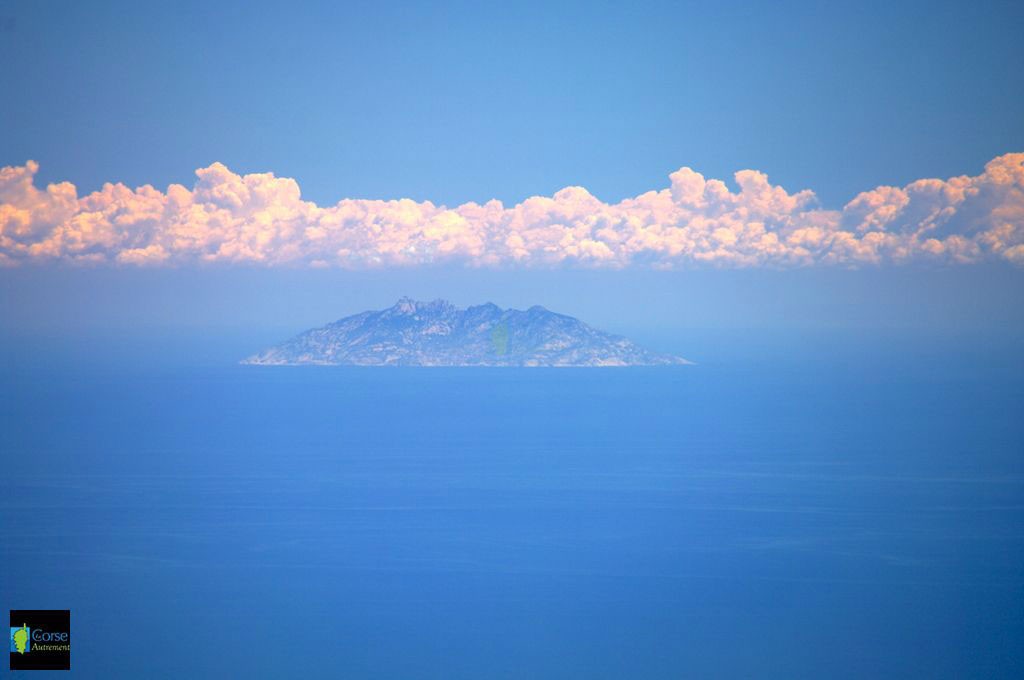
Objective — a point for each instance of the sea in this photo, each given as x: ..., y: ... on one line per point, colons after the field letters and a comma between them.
x: 820, y: 510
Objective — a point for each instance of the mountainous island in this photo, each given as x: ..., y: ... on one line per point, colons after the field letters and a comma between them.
x: 437, y: 333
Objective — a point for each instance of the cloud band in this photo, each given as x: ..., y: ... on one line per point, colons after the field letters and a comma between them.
x: 260, y: 218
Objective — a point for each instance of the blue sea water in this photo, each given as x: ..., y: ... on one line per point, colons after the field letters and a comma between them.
x: 849, y: 517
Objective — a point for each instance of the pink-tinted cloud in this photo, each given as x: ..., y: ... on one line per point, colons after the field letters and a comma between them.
x: 260, y: 218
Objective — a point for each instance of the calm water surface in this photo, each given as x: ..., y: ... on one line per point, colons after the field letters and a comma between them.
x: 828, y: 519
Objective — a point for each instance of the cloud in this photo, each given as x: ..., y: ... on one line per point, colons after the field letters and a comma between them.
x: 260, y: 218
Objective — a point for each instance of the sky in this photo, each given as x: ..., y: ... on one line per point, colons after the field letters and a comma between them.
x: 196, y: 164
x: 457, y: 102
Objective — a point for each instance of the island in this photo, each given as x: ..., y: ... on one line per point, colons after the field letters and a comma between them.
x: 437, y: 333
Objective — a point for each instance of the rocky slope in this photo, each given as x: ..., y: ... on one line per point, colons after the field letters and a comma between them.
x: 437, y: 333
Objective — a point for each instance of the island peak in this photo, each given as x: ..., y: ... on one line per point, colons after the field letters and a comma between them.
x: 437, y: 333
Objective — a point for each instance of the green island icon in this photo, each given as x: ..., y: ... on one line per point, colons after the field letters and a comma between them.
x: 20, y: 637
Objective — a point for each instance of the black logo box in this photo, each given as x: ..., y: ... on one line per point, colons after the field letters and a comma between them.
x: 47, y: 620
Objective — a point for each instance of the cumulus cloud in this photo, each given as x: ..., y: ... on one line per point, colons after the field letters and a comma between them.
x: 260, y: 218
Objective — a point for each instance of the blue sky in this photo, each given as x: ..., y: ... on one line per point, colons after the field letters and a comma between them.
x: 470, y: 101
x: 456, y: 104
